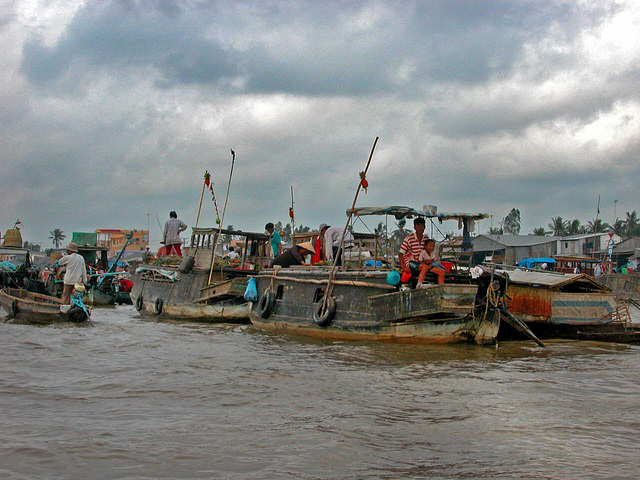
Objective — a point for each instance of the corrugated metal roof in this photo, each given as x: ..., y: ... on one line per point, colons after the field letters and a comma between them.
x: 519, y: 240
x: 551, y: 280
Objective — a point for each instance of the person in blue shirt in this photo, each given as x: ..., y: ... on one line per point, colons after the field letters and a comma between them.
x: 276, y: 240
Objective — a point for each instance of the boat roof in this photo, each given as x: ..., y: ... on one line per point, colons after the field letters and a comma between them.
x: 576, y: 259
x: 235, y: 233
x: 551, y: 279
x: 401, y: 212
x: 13, y: 251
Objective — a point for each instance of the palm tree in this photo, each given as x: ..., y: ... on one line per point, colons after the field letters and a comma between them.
x: 632, y: 225
x: 57, y: 236
x: 495, y: 231
x: 573, y: 227
x: 619, y: 228
x: 559, y: 227
x: 597, y: 226
x: 398, y: 235
x: 539, y: 231
x: 381, y: 229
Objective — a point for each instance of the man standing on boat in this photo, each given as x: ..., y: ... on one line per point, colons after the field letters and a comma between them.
x: 412, y: 247
x: 276, y: 240
x: 332, y: 236
x: 76, y: 271
x: 171, y: 237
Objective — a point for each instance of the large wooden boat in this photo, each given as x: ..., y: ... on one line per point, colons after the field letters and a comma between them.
x: 201, y: 294
x: 568, y: 305
x: 360, y: 305
x: 26, y: 306
x: 364, y: 307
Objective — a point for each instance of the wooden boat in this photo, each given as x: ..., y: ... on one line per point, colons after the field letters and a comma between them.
x: 201, y: 294
x: 568, y: 305
x: 364, y: 307
x: 37, y: 308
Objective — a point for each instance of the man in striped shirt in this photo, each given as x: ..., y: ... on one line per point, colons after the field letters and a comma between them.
x: 411, y: 248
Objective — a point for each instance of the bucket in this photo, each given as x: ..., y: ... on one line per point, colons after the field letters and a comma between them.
x: 13, y: 238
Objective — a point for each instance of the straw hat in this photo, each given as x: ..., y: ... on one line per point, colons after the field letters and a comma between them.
x: 307, y: 246
x: 73, y: 247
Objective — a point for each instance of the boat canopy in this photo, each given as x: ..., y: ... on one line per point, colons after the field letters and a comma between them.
x: 530, y: 262
x: 400, y: 212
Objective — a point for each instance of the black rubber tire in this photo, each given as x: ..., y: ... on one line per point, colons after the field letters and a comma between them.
x: 329, y: 313
x: 266, y: 304
x: 159, y: 305
x: 76, y: 314
x: 139, y: 303
x: 14, y: 308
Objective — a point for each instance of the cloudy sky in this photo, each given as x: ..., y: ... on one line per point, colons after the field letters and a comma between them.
x: 110, y: 111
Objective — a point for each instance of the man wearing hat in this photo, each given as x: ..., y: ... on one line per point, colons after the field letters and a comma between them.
x: 171, y: 235
x: 294, y: 255
x: 76, y: 271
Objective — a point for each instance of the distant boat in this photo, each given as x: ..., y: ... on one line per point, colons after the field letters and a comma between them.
x: 37, y: 308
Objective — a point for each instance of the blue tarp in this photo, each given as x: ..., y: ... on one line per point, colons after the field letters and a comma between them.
x: 530, y: 262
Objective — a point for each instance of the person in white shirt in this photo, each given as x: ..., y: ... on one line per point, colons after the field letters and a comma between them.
x: 332, y: 236
x: 76, y: 271
x: 233, y: 255
x: 171, y: 237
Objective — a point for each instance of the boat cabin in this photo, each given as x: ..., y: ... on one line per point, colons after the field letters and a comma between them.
x: 254, y: 256
x: 569, y: 263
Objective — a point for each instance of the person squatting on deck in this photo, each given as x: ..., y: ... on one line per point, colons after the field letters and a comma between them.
x: 276, y: 240
x: 294, y: 255
x: 171, y: 237
x: 76, y: 271
x: 429, y: 262
x: 332, y: 236
x: 412, y: 247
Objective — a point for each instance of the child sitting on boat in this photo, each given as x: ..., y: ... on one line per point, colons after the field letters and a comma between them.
x: 429, y: 263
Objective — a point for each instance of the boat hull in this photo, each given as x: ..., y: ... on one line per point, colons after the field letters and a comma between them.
x: 372, y: 310
x: 27, y: 307
x: 178, y: 299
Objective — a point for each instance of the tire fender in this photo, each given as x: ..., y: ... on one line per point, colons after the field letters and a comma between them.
x: 159, y: 305
x: 330, y: 312
x: 266, y: 303
x: 139, y: 303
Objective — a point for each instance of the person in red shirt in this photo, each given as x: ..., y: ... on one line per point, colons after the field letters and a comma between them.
x: 125, y: 285
x: 412, y: 247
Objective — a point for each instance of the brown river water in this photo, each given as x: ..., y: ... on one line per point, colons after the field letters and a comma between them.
x: 131, y: 398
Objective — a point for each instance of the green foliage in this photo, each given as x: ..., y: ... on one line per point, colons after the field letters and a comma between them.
x: 512, y: 222
x: 496, y: 231
x: 57, y: 237
x: 574, y: 227
x: 540, y: 231
x: 559, y: 227
x: 597, y: 226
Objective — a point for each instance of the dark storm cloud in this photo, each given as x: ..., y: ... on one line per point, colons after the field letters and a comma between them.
x: 460, y: 41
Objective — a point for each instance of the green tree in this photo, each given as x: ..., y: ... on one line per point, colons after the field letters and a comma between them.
x: 302, y: 229
x: 57, y: 237
x: 495, y: 231
x: 559, y: 226
x: 619, y: 228
x: 632, y: 225
x: 597, y: 226
x: 573, y: 227
x: 227, y: 237
x: 512, y: 222
x: 398, y: 235
x: 539, y: 231
x: 287, y: 233
x: 381, y: 229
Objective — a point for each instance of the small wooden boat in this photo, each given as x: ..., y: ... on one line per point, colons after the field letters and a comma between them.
x: 37, y: 308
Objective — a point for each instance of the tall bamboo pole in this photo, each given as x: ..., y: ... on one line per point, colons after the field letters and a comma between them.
x: 224, y: 210
x: 334, y: 268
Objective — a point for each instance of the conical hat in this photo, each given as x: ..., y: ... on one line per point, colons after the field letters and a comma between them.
x: 307, y: 246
